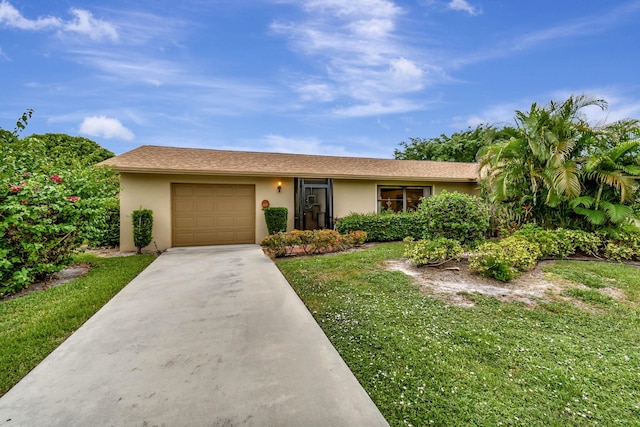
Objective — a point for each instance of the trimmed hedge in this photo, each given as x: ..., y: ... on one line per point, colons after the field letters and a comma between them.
x: 142, y: 228
x: 383, y: 227
x: 276, y: 219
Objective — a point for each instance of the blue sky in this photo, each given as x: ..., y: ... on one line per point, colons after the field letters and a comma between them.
x: 333, y: 77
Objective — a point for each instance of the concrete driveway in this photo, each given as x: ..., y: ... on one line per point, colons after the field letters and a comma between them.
x: 210, y: 336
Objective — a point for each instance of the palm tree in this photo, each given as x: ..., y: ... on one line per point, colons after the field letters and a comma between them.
x: 536, y: 165
x: 611, y: 171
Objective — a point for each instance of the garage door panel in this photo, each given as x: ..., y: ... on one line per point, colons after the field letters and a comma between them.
x: 183, y: 206
x: 213, y: 214
x: 244, y: 222
x: 204, y: 206
x: 183, y: 191
x: 203, y: 191
x: 245, y: 192
x: 187, y: 222
x: 205, y: 223
x: 225, y: 191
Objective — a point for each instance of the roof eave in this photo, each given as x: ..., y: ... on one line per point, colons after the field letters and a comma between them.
x: 165, y: 171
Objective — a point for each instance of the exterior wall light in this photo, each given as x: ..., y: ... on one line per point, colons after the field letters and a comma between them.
x: 279, y: 186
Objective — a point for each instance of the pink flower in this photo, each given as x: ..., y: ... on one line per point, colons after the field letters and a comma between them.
x: 26, y: 175
x: 25, y: 202
x: 15, y: 188
x: 73, y: 198
x: 56, y: 178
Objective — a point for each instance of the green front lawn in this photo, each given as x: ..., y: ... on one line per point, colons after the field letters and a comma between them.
x: 32, y: 326
x: 425, y: 362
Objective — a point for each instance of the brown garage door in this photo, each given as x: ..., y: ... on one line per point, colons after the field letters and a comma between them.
x: 208, y: 214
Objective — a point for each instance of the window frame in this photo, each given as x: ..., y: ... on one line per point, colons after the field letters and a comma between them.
x: 427, y: 190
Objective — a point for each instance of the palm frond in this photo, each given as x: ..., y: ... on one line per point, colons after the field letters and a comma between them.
x: 617, y: 213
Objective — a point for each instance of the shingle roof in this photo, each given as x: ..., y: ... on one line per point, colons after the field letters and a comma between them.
x: 155, y: 159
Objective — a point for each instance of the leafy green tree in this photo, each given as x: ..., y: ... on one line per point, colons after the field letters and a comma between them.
x: 70, y: 150
x: 459, y: 147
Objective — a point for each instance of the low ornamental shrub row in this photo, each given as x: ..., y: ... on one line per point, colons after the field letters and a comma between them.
x: 311, y: 241
x: 506, y: 259
x: 457, y: 216
x: 387, y: 227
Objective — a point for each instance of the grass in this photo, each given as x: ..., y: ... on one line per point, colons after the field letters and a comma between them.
x: 32, y: 326
x: 424, y: 362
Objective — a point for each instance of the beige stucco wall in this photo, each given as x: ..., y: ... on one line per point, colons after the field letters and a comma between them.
x: 350, y: 196
x: 153, y: 191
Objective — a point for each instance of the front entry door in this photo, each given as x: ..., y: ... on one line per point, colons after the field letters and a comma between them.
x: 314, y: 203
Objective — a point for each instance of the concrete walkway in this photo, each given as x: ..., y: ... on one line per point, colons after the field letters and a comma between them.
x: 210, y: 336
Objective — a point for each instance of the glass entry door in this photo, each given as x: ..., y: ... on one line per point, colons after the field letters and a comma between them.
x: 314, y: 203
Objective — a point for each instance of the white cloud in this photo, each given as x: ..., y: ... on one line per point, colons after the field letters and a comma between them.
x: 85, y: 23
x: 302, y: 145
x: 498, y: 114
x: 620, y: 106
x: 11, y: 17
x: 595, y: 24
x: 463, y: 6
x: 394, y: 106
x: 362, y: 58
x: 82, y: 23
x: 316, y: 91
x: 105, y: 127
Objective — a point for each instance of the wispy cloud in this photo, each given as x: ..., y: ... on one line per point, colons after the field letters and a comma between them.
x: 304, y: 145
x: 360, y: 57
x: 464, y: 6
x: 105, y: 127
x: 83, y: 22
x: 580, y: 27
x: 620, y: 106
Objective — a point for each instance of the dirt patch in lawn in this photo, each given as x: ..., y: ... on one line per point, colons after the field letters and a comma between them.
x: 453, y: 282
x: 68, y: 274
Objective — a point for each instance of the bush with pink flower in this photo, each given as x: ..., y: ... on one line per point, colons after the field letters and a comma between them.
x: 49, y: 206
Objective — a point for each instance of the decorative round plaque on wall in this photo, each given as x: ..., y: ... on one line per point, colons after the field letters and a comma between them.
x: 265, y: 204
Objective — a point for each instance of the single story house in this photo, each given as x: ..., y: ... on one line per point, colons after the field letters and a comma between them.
x: 216, y: 197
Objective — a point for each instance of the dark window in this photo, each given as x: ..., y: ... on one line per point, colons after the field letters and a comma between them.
x: 401, y: 199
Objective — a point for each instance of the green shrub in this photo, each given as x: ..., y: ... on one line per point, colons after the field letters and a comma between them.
x: 384, y: 227
x: 626, y: 247
x: 142, y: 228
x: 275, y: 244
x: 105, y: 230
x: 506, y: 259
x: 490, y: 260
x: 561, y: 242
x: 458, y: 216
x: 276, y: 219
x: 547, y: 240
x: 356, y: 238
x: 309, y: 242
x: 432, y: 252
x: 574, y: 241
x: 41, y: 219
